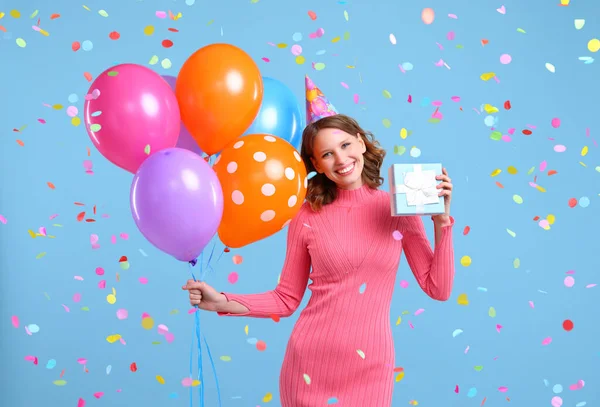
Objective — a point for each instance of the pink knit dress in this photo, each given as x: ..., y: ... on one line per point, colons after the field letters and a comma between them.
x: 341, y: 350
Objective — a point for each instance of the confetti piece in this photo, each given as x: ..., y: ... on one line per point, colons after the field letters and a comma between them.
x: 114, y: 35
x: 133, y: 367
x: 306, y: 378
x: 462, y: 299
x: 465, y: 261
x: 547, y: 341
x: 312, y: 15
x: 427, y: 15
x: 550, y: 67
x: 21, y: 42
x: 160, y: 379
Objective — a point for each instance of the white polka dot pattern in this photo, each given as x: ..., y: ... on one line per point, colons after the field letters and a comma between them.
x: 231, y: 167
x: 237, y: 197
x: 268, y: 189
x: 260, y: 156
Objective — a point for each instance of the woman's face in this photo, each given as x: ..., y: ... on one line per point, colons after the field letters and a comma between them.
x: 339, y: 156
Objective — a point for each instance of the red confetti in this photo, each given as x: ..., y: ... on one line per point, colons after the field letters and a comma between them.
x: 552, y: 172
x: 567, y: 325
x: 20, y: 142
x: 398, y: 369
x: 167, y: 43
x: 275, y: 318
x: 123, y: 258
x: 535, y: 219
x: 114, y: 35
x: 226, y: 250
x: 80, y: 216
x: 90, y: 220
x: 466, y: 230
x: 54, y: 16
x: 572, y: 202
x: 312, y: 15
x: 75, y: 46
x: 484, y: 42
x: 51, y: 185
x: 507, y: 105
x: 261, y: 345
x: 527, y: 132
x: 133, y: 367
x: 173, y: 30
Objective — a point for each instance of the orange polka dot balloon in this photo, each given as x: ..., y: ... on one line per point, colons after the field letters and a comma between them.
x: 264, y: 185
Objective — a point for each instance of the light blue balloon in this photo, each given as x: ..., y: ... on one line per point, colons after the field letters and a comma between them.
x: 280, y: 114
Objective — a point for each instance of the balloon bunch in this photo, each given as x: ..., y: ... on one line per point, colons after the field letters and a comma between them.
x: 167, y: 130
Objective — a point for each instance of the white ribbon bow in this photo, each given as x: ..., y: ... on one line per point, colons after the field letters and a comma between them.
x: 419, y: 187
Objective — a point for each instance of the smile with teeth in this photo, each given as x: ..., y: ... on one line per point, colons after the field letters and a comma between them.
x: 346, y: 170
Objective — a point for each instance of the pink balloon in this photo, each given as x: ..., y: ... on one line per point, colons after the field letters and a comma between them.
x: 130, y: 113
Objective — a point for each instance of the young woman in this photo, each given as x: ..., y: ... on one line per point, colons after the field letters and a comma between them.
x: 341, y: 350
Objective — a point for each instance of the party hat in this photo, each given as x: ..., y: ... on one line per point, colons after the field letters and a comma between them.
x: 317, y: 104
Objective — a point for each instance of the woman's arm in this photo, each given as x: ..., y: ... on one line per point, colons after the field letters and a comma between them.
x: 287, y: 296
x: 434, y: 270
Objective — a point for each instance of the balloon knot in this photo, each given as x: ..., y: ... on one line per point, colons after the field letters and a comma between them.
x: 193, y: 262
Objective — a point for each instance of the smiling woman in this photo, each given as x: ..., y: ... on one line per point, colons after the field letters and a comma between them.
x: 342, y: 153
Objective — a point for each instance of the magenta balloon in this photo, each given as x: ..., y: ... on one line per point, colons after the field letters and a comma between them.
x: 177, y: 202
x: 185, y: 139
x: 130, y: 112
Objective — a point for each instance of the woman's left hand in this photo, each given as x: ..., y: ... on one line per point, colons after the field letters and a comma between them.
x: 446, y: 189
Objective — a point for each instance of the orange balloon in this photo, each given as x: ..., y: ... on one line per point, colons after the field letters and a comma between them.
x: 264, y: 185
x: 219, y: 90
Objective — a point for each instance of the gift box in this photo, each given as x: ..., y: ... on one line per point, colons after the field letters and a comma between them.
x: 413, y: 189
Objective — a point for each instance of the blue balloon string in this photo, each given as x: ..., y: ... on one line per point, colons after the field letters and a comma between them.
x: 197, y: 336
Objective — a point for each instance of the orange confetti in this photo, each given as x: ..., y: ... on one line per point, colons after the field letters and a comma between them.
x: 483, y: 402
x: 527, y: 132
x: 275, y: 318
x: 54, y: 16
x: 62, y: 373
x: 133, y: 367
x: 484, y: 42
x: 552, y: 172
x: 51, y: 185
x: 261, y: 345
x: 499, y: 185
x: 19, y: 142
x: 114, y: 35
x: 312, y: 15
x: 2, y: 28
x: 398, y: 369
x: 88, y: 76
x: 466, y: 230
x: 89, y: 152
x: 80, y: 216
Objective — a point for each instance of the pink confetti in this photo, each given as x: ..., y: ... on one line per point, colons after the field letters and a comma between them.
x: 122, y: 313
x: 591, y: 285
x: 531, y: 304
x: 453, y: 16
x: 440, y: 46
x: 76, y: 297
x: 450, y: 36
x: 401, y: 68
x: 571, y: 272
x: 42, y: 231
x: 82, y: 361
x: 345, y: 85
x: 404, y: 284
x: 498, y: 328
x: 36, y: 28
x: 67, y: 309
x: 143, y: 280
x: 162, y: 329
x: 296, y: 50
x: 94, y: 241
x: 53, y: 216
x: 559, y: 148
x: 161, y: 14
x: 3, y: 219
x: 32, y: 359
x: 577, y: 386
x: 455, y: 98
x: 27, y: 331
x: 169, y: 337
x: 187, y: 382
x: 356, y: 98
x: 99, y: 271
x: 78, y: 278
x: 232, y: 277
x: 124, y: 236
x: 81, y: 403
x: 98, y: 394
x: 397, y: 235
x: 113, y: 239
x: 192, y: 310
x: 102, y: 284
x: 266, y: 59
x: 467, y: 349
x: 419, y: 311
x: 15, y: 321
x: 543, y: 165
x: 503, y: 389
x: 411, y: 325
x: 42, y: 121
x: 72, y: 111
x: 409, y: 99
x: 145, y: 315
x: 547, y: 341
x: 555, y: 122
x: 569, y: 281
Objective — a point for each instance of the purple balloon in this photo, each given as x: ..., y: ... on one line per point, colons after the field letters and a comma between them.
x: 185, y: 139
x: 177, y: 202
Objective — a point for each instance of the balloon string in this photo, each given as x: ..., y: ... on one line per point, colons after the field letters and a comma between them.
x: 199, y: 343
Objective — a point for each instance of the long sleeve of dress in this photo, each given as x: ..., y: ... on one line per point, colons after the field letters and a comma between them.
x: 287, y: 296
x: 433, y: 269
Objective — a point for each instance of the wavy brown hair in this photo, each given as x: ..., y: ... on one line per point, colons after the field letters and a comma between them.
x: 321, y: 190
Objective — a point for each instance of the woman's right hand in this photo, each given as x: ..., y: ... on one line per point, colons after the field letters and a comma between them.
x: 204, y: 296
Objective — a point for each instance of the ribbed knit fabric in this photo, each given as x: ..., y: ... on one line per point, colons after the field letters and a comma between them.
x: 341, y: 347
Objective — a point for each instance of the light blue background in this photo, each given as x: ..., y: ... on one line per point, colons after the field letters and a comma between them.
x: 48, y: 71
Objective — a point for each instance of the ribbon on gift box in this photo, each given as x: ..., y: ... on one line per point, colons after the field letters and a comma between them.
x: 419, y: 187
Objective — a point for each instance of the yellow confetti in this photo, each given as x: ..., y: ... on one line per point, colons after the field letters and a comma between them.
x: 398, y: 321
x: 512, y: 170
x: 403, y: 133
x: 550, y: 67
x: 300, y: 59
x: 147, y: 323
x: 195, y: 383
x: 510, y: 232
x: 1, y: 15
x: 551, y: 219
x: 15, y: 13
x: 465, y: 261
x: 594, y: 45
x: 113, y: 338
x: 149, y: 30
x: 75, y: 121
x: 489, y: 109
x: 462, y: 299
x: 32, y: 233
x: 487, y: 76
x: 111, y: 298
x: 282, y: 45
x: 160, y: 379
x: 44, y: 32
x: 492, y: 312
x: 360, y: 353
x: 86, y: 7
x: 540, y: 188
x: 153, y: 60
x: 399, y: 376
x: 57, y: 106
x: 336, y: 39
x: 226, y: 358
x: 60, y: 382
x: 387, y: 94
x: 267, y: 398
x: 413, y: 403
x: 495, y: 172
x: 516, y: 263
x: 518, y: 199
x: 246, y: 329
x: 306, y: 378
x: 584, y: 151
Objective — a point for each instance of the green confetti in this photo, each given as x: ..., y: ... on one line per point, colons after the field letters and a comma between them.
x: 510, y: 232
x: 460, y: 46
x: 518, y: 199
x: 492, y: 312
x: 517, y: 263
x: 103, y: 13
x: 210, y: 22
x: 433, y: 120
x: 306, y: 378
x: 496, y: 135
x: 360, y: 353
x: 521, y: 30
x: 387, y: 123
x: 346, y: 15
x: 387, y: 94
x: 21, y: 42
x: 147, y: 149
x: 399, y: 150
x: 166, y: 63
x: 319, y: 66
x: 85, y: 308
x: 531, y: 170
x: 39, y: 256
x: 346, y: 35
x: 478, y: 368
x: 226, y: 358
x: 153, y: 60
x: 95, y: 127
x: 34, y: 14
x: 112, y: 73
